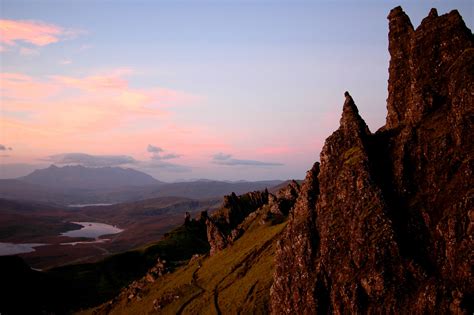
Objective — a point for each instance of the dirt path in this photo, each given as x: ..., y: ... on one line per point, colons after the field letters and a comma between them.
x: 195, y: 283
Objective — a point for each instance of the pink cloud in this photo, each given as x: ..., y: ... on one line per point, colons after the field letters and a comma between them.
x: 33, y: 32
x: 93, y: 83
x: 193, y: 142
x: 17, y: 87
x: 101, y: 113
x: 97, y: 103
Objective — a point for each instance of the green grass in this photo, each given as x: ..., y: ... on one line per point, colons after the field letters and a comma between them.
x: 237, y: 279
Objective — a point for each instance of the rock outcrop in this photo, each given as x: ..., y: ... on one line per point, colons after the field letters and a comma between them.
x: 421, y: 63
x: 385, y: 223
x: 231, y: 220
x: 137, y: 289
x: 285, y: 198
x: 187, y: 218
x: 223, y: 225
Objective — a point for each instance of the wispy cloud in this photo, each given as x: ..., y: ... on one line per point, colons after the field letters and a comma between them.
x: 221, y: 157
x: 158, y: 153
x: 158, y: 157
x: 20, y: 88
x: 154, y: 149
x: 226, y: 159
x: 167, y: 156
x: 13, y: 32
x: 90, y: 160
x: 5, y: 148
x: 113, y: 80
x: 65, y: 62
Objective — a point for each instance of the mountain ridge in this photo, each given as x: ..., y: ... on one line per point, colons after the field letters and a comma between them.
x: 83, y: 185
x: 80, y: 177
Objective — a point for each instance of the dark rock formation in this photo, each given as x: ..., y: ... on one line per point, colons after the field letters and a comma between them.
x: 421, y: 62
x: 223, y: 226
x: 285, y: 198
x: 385, y: 223
x: 293, y: 292
x: 215, y: 236
x: 187, y: 218
x: 158, y: 270
x: 230, y: 222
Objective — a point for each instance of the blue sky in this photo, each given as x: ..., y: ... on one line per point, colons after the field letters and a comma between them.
x: 261, y: 81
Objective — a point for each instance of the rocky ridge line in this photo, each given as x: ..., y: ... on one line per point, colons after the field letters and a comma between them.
x: 227, y: 224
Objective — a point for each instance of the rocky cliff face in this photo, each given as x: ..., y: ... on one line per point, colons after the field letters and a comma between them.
x: 297, y: 248
x: 385, y: 223
x: 285, y: 198
x: 223, y: 226
x: 230, y: 221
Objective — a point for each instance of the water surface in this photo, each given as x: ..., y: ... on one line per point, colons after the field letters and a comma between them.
x: 13, y: 249
x: 82, y: 205
x: 92, y: 230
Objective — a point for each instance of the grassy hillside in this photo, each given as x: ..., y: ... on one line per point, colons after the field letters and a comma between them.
x: 237, y: 279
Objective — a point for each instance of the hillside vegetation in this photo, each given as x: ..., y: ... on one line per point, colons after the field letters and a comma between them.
x: 234, y: 280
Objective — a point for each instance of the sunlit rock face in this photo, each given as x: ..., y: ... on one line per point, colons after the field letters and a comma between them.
x: 384, y: 223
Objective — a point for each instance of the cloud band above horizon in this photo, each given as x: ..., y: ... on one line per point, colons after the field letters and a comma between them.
x: 226, y: 159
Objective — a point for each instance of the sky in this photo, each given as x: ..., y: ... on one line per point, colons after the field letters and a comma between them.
x: 183, y: 90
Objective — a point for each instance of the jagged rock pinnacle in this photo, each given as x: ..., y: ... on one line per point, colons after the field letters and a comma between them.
x: 433, y: 13
x: 419, y: 60
x: 386, y: 225
x: 351, y: 122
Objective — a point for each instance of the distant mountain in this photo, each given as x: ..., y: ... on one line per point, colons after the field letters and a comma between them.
x: 206, y: 189
x: 80, y: 177
x: 19, y: 190
x: 81, y: 185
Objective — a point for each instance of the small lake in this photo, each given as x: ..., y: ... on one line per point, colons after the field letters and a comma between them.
x: 13, y: 249
x: 89, y: 229
x: 92, y: 230
x: 82, y: 205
